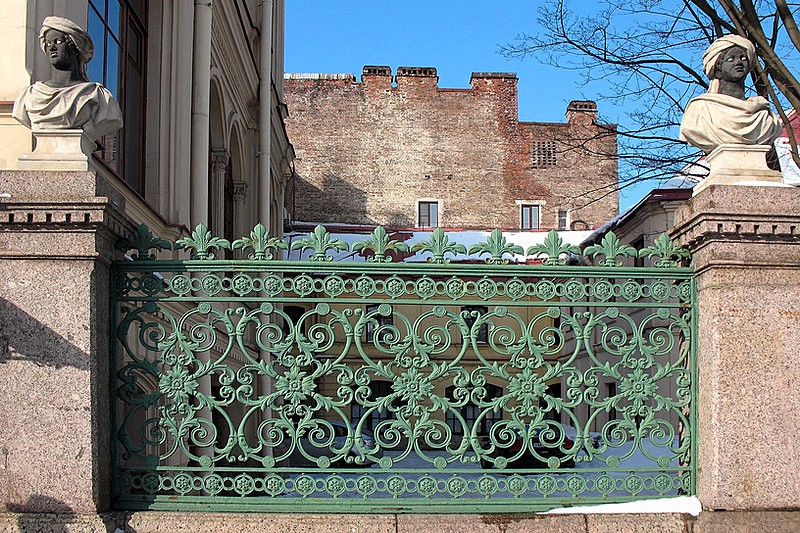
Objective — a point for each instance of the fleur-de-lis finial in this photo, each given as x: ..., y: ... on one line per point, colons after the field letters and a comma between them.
x: 143, y: 241
x: 261, y: 242
x: 320, y: 241
x: 380, y: 243
x: 497, y: 246
x: 438, y: 245
x: 202, y: 243
x: 554, y: 247
x: 610, y: 248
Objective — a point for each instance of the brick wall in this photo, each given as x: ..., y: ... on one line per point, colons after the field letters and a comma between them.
x: 368, y: 151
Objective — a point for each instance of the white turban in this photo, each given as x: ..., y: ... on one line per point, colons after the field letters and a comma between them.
x: 82, y: 41
x: 717, y: 48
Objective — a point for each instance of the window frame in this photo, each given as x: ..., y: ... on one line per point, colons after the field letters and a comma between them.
x: 530, y: 205
x: 429, y: 202
x: 563, y: 214
x: 371, y: 328
x: 129, y: 143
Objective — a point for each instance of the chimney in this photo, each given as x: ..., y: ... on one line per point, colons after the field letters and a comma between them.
x: 379, y: 77
x: 417, y: 77
x: 480, y: 79
x: 582, y: 112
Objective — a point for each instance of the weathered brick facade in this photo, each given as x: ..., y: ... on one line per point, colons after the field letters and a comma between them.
x: 368, y: 152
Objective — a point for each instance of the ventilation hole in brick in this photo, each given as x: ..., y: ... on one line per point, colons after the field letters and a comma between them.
x: 792, y: 229
x: 719, y: 228
x: 774, y: 229
x: 86, y: 217
x: 738, y: 228
x: 30, y: 218
x: 48, y: 217
x: 755, y: 228
x: 11, y: 217
x: 68, y: 217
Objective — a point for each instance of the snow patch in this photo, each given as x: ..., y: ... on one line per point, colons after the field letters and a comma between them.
x: 681, y: 504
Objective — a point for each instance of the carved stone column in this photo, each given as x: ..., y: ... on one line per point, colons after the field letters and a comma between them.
x: 219, y: 167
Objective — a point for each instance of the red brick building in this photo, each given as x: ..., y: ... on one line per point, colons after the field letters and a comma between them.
x: 412, y: 154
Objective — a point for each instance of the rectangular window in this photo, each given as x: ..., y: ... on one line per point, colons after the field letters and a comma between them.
x: 119, y: 31
x: 563, y: 218
x: 638, y: 244
x: 471, y: 314
x: 530, y: 217
x: 377, y: 390
x: 611, y: 391
x: 428, y: 214
x: 375, y: 324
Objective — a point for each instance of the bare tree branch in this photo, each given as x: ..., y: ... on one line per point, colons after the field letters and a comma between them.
x: 645, y: 55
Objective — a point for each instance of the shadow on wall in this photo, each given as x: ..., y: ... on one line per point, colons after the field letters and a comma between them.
x: 336, y: 201
x: 399, y: 220
x: 25, y: 338
x: 50, y: 515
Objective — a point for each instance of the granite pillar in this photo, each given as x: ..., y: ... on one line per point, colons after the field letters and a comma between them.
x: 746, y: 252
x: 57, y: 231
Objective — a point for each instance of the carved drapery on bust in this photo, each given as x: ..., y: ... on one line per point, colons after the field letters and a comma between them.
x: 722, y: 115
x: 69, y: 100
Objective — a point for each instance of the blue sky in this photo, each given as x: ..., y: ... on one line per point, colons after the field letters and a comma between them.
x: 457, y: 37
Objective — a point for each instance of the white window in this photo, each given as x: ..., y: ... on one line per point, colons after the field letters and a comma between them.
x: 563, y: 218
x: 428, y: 213
x: 530, y: 216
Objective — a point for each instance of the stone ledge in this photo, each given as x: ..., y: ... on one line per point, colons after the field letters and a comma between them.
x: 736, y: 214
x: 61, y: 522
x: 157, y: 521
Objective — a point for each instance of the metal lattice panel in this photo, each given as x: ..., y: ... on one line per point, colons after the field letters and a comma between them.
x: 401, y: 387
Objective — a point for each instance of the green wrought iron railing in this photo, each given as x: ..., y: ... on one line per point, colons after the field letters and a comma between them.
x: 400, y: 386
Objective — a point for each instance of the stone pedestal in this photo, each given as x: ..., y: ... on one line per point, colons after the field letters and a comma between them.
x: 57, y: 233
x: 58, y: 150
x: 738, y: 164
x: 746, y: 247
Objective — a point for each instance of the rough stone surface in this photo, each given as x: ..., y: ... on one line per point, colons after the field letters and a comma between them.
x: 748, y: 522
x: 490, y: 523
x: 54, y: 315
x: 639, y: 523
x: 368, y: 151
x: 746, y: 247
x: 162, y: 522
x: 60, y: 523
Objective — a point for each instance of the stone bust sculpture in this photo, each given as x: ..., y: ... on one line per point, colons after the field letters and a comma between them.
x: 723, y: 115
x: 68, y: 100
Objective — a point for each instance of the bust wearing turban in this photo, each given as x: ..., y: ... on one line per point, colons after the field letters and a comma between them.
x: 69, y: 100
x: 722, y: 115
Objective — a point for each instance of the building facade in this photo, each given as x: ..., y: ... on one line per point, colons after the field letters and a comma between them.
x: 200, y: 86
x: 201, y: 90
x: 404, y: 152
